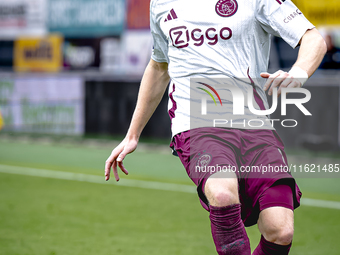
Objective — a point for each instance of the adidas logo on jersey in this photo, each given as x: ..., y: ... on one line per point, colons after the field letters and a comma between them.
x: 171, y: 15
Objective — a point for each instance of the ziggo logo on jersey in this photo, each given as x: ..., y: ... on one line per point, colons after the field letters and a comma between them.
x: 180, y: 36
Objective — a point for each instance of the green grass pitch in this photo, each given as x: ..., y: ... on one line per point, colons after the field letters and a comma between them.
x: 51, y: 216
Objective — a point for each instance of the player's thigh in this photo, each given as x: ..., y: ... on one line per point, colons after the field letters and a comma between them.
x: 276, y: 224
x: 221, y: 189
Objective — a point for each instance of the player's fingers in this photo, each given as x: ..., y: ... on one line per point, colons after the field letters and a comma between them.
x: 121, y: 156
x: 115, y: 172
x: 295, y: 84
x: 284, y: 84
x: 277, y: 81
x: 290, y: 82
x: 108, y: 165
x: 265, y: 75
x: 127, y: 149
x: 270, y: 78
x: 111, y: 159
x: 116, y: 151
x: 268, y: 82
x: 107, y: 171
x: 121, y: 166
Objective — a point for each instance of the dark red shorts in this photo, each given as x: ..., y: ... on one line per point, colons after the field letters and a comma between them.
x: 256, y: 156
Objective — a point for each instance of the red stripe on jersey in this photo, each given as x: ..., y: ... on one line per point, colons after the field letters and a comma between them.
x: 174, y: 104
x: 251, y: 80
x: 278, y: 1
x: 169, y: 17
x: 258, y: 100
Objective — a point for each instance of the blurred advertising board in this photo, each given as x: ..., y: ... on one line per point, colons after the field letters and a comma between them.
x: 81, y: 54
x: 22, y: 18
x: 52, y: 105
x: 6, y: 54
x: 138, y: 16
x: 85, y: 18
x: 320, y: 12
x: 127, y: 55
x: 38, y: 54
x: 1, y: 121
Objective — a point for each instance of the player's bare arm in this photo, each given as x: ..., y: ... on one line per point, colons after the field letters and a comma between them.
x: 311, y: 53
x: 153, y: 86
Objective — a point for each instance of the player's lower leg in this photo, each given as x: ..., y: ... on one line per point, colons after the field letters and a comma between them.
x: 227, y: 228
x: 269, y: 248
x: 276, y: 221
x: 276, y: 227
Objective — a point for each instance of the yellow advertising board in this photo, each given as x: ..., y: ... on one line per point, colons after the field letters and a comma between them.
x: 320, y: 13
x: 1, y: 121
x: 38, y: 54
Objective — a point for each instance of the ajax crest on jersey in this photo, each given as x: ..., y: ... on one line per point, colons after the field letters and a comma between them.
x: 204, y: 160
x: 226, y: 8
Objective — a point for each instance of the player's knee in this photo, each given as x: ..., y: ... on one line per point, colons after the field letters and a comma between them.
x: 280, y: 235
x: 222, y: 197
x: 221, y: 191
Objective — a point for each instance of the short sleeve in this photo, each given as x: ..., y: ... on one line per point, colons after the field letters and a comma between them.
x: 160, y: 43
x: 283, y: 19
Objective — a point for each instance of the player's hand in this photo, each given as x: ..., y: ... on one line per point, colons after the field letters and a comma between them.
x: 117, y: 156
x: 279, y: 79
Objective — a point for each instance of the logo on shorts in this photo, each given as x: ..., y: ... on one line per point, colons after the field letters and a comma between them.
x: 204, y: 160
x: 226, y: 8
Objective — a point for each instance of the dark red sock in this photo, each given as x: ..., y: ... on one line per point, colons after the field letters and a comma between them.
x: 228, y: 230
x: 268, y: 248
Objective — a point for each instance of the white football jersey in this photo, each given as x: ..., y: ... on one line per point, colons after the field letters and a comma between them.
x: 219, y: 39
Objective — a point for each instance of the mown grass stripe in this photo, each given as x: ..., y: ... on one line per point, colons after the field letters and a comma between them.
x: 133, y: 183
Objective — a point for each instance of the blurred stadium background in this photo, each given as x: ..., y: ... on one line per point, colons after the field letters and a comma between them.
x: 69, y: 78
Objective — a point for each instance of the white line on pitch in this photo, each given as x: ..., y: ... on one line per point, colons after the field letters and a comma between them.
x: 320, y: 203
x: 95, y: 179
x: 133, y: 183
